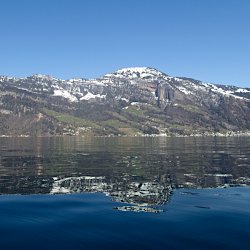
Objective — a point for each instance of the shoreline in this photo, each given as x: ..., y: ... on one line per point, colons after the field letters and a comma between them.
x: 228, y: 134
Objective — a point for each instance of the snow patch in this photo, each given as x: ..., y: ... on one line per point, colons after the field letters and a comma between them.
x: 242, y: 91
x: 135, y: 103
x: 5, y: 112
x: 136, y: 72
x: 65, y: 94
x: 154, y: 95
x: 132, y: 69
x: 124, y: 99
x: 97, y: 82
x: 144, y: 75
x: 89, y: 96
x: 184, y: 90
x: 45, y: 77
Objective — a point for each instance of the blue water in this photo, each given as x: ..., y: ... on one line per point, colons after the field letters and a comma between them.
x: 73, y: 194
x: 194, y: 219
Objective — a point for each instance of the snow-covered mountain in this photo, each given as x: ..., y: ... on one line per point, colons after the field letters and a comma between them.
x: 135, y: 100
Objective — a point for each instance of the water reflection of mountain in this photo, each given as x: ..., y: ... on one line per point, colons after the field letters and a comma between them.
x: 141, y: 173
x: 139, y: 194
x: 147, y: 193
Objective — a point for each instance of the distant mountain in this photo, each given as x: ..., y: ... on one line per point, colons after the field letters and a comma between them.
x: 130, y: 101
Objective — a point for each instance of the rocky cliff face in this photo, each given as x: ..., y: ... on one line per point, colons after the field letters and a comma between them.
x: 131, y: 101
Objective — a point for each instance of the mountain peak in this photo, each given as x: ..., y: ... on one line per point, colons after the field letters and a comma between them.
x: 42, y: 77
x: 136, y: 72
x: 135, y: 69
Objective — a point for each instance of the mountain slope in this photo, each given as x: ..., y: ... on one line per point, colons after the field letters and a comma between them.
x: 130, y: 101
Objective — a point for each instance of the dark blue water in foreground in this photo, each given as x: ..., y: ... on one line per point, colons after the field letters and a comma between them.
x: 205, y: 219
x: 146, y: 193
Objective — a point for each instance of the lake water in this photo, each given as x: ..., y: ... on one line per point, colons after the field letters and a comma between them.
x: 125, y: 193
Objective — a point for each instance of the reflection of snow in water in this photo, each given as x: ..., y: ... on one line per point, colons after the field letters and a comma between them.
x: 78, y: 185
x: 141, y: 195
x: 139, y: 209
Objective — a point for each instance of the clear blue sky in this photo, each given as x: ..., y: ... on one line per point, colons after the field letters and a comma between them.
x: 204, y: 39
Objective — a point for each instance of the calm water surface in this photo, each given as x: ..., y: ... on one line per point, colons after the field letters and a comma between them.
x: 125, y: 193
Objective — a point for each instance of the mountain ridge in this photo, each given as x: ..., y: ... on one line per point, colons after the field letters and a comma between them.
x: 129, y: 101
x: 45, y: 75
